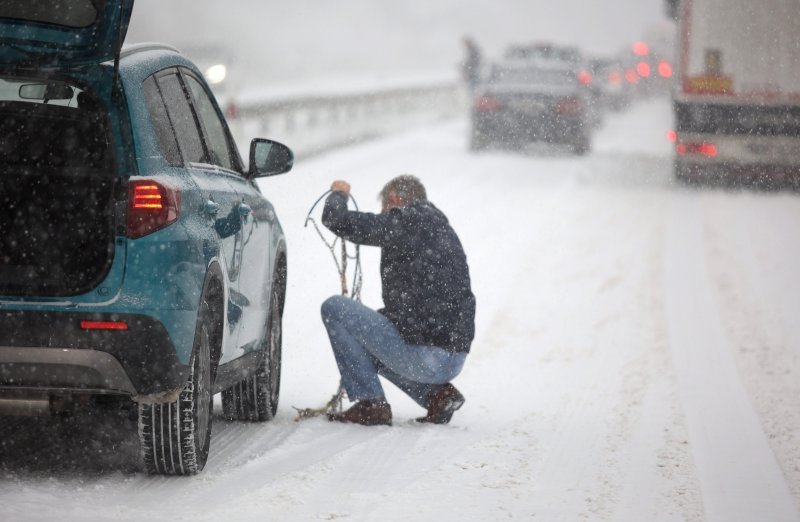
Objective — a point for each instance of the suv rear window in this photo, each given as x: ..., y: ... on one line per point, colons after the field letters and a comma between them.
x: 533, y: 76
x: 77, y: 13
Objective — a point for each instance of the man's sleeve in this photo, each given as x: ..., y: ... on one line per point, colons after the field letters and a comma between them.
x: 363, y: 228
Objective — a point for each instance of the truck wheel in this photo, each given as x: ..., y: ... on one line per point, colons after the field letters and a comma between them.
x: 256, y: 398
x: 175, y: 436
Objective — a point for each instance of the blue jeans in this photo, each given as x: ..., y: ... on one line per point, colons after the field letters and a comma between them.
x: 366, y: 344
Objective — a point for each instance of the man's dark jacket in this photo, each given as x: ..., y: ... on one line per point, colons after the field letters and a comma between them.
x: 426, y: 285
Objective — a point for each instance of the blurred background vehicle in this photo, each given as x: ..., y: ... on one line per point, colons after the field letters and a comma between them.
x: 218, y: 64
x: 737, y: 102
x: 536, y: 93
x: 608, y: 81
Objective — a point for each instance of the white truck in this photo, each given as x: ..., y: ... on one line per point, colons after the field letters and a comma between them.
x: 737, y: 98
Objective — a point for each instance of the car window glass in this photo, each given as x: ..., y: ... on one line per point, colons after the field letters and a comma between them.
x: 218, y: 144
x: 165, y: 135
x: 180, y: 114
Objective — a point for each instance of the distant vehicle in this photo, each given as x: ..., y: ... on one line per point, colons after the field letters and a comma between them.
x: 552, y: 56
x: 523, y: 101
x: 218, y: 65
x: 737, y: 102
x: 613, y: 91
x: 141, y: 268
x: 543, y: 53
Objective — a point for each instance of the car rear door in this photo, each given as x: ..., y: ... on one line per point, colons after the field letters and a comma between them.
x: 253, y: 212
x: 218, y: 201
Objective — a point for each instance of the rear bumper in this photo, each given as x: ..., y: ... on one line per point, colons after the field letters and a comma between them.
x: 755, y: 174
x: 49, y: 351
x: 771, y: 152
x: 545, y: 126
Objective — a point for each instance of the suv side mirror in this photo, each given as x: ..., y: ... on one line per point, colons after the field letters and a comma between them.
x: 269, y: 158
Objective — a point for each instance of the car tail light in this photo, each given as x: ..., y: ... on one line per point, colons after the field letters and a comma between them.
x: 151, y: 206
x: 585, y: 77
x: 643, y: 69
x: 672, y: 136
x: 640, y: 49
x: 487, y: 104
x: 570, y: 106
x: 104, y: 325
x: 706, y: 149
x: 665, y: 69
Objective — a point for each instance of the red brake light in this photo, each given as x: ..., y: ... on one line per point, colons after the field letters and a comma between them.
x: 104, y: 325
x: 643, y: 69
x: 151, y: 206
x: 706, y: 149
x: 585, y: 77
x: 147, y: 196
x: 672, y: 136
x: 486, y: 104
x: 641, y: 49
x: 570, y: 106
x: 665, y: 69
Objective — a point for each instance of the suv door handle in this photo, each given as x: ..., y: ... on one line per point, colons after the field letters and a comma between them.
x: 212, y: 208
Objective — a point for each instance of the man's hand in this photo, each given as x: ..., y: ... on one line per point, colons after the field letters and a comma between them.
x: 340, y: 186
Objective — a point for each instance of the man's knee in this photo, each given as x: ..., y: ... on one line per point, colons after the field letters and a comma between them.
x: 333, y: 307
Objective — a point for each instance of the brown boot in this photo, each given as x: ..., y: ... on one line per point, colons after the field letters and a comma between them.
x: 443, y: 404
x: 372, y: 412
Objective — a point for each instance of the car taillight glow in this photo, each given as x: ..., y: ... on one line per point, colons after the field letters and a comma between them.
x: 147, y: 196
x: 643, y: 69
x: 104, y: 325
x: 703, y: 148
x: 487, y: 104
x: 151, y: 206
x: 631, y: 76
x: 640, y: 49
x: 585, y: 77
x: 570, y: 106
x: 665, y: 69
x: 672, y: 136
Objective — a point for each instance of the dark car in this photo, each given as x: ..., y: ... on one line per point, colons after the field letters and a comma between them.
x: 525, y: 100
x: 140, y: 264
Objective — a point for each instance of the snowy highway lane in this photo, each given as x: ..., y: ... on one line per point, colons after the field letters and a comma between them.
x: 637, y: 358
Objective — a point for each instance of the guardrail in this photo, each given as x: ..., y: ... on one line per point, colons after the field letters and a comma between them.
x: 314, y: 123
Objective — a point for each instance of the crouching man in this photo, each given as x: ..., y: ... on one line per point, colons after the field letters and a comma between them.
x: 421, y: 337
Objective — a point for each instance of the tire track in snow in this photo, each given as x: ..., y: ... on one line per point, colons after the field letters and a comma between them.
x: 739, y: 476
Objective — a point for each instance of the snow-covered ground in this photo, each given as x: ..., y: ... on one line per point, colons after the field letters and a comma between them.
x: 637, y: 358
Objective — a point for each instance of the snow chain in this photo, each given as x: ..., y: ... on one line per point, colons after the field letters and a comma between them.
x: 334, y: 405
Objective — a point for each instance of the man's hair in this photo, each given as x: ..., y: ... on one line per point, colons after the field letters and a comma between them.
x: 407, y: 187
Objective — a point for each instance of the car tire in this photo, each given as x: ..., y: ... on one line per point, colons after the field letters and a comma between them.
x: 175, y: 436
x: 256, y: 397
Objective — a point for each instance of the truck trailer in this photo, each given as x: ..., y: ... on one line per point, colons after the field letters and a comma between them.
x: 737, y: 98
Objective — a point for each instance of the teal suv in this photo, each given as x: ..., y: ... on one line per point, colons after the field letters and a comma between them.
x: 140, y: 264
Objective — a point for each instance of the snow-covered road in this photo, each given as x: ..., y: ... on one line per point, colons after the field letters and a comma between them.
x: 637, y: 358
